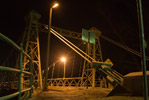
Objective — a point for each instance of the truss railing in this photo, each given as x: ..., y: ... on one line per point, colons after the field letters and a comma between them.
x: 75, y: 81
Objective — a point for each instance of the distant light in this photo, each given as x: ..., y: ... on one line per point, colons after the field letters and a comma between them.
x: 55, y: 5
x: 84, y: 42
x: 63, y: 59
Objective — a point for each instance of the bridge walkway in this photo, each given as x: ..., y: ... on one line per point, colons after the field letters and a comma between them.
x: 69, y: 93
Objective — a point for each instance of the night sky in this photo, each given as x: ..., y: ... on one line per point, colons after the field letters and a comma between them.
x: 117, y: 19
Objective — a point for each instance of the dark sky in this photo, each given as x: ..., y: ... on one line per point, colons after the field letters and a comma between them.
x: 117, y: 19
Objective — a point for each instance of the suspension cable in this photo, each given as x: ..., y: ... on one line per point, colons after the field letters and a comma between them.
x: 73, y: 66
x: 54, y: 33
x: 124, y: 47
x: 73, y: 45
x: 58, y: 70
x: 52, y: 72
x: 80, y: 68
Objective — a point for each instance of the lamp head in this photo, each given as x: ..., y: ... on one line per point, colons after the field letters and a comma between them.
x: 55, y: 5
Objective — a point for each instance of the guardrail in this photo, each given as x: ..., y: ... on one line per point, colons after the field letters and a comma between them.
x: 75, y: 81
x: 4, y: 68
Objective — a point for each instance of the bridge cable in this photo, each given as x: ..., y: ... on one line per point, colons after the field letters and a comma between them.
x: 56, y: 34
x: 73, y: 45
x: 124, y: 47
x: 52, y: 72
x: 58, y: 70
x: 73, y: 66
x: 80, y: 68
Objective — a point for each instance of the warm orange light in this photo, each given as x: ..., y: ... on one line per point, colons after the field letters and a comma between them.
x: 63, y: 59
x: 55, y: 5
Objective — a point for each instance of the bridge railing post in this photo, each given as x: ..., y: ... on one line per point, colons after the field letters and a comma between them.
x: 20, y: 68
x: 31, y: 79
x: 93, y: 79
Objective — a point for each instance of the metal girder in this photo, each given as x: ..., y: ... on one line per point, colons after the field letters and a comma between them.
x: 32, y: 46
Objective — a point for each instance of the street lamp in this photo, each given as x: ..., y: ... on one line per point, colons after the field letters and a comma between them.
x: 55, y: 5
x: 48, y: 44
x: 64, y: 60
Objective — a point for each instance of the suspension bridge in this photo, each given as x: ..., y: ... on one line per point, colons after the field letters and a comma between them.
x: 26, y: 72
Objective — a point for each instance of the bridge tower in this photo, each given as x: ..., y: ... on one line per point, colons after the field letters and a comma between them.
x: 93, y: 50
x: 31, y: 44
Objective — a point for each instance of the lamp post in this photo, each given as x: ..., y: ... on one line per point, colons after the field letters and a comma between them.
x: 48, y: 44
x: 142, y: 42
x: 64, y: 60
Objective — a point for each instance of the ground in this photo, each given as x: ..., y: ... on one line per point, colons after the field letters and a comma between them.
x: 77, y: 93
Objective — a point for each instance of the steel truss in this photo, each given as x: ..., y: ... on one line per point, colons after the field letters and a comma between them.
x: 32, y: 46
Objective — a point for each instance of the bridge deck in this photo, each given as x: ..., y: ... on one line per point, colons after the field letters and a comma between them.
x: 69, y: 93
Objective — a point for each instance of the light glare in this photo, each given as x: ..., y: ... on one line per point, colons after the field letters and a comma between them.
x: 55, y: 5
x: 63, y: 59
